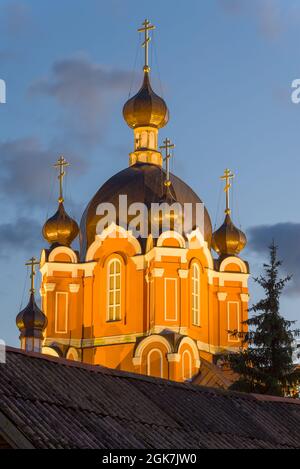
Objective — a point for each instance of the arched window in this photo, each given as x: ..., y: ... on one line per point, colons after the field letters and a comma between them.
x: 155, y: 363
x: 195, y: 295
x: 114, y: 290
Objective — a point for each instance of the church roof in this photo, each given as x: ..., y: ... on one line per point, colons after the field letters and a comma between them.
x: 53, y: 403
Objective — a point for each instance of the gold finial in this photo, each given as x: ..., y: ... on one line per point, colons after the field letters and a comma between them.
x: 147, y: 26
x: 227, y: 176
x: 167, y: 146
x: 61, y: 164
x: 32, y: 263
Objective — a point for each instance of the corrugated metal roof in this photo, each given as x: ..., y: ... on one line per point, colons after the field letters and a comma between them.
x: 55, y: 403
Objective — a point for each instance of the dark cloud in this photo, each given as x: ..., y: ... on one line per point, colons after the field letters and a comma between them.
x: 27, y: 171
x: 24, y: 234
x: 287, y: 237
x: 86, y: 92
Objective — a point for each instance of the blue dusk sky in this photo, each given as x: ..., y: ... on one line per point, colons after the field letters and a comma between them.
x: 225, y: 69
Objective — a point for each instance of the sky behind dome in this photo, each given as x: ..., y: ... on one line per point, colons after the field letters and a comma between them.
x: 225, y: 68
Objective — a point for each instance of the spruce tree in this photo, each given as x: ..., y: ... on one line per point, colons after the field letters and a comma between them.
x: 265, y: 362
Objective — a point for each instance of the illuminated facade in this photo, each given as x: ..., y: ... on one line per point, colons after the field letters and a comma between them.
x: 156, y: 305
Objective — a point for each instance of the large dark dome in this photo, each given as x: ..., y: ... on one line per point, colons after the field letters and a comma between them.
x: 141, y: 183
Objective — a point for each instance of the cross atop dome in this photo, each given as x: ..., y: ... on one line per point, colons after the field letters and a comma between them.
x: 147, y: 26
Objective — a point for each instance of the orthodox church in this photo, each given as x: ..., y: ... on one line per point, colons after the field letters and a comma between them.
x: 158, y: 305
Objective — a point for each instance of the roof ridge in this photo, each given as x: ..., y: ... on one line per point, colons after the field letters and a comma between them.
x: 153, y: 380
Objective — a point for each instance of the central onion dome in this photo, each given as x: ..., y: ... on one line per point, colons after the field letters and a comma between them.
x: 142, y: 183
x: 61, y: 228
x: 146, y: 108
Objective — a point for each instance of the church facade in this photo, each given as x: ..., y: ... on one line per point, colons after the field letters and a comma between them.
x: 154, y: 305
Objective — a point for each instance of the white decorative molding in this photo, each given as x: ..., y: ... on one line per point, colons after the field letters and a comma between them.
x: 227, y: 277
x: 63, y: 250
x: 234, y: 260
x: 222, y: 296
x: 139, y: 262
x: 196, y: 241
x: 159, y: 252
x: 191, y: 344
x: 171, y: 235
x: 245, y: 297
x: 178, y: 330
x: 49, y: 287
x: 158, y: 272
x: 74, y: 287
x: 213, y: 349
x: 137, y: 361
x: 198, y: 363
x: 50, y: 267
x: 115, y: 231
x: 173, y: 357
x: 183, y: 273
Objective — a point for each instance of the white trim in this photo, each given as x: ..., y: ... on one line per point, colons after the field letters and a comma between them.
x: 245, y: 297
x: 233, y: 260
x: 183, y: 273
x: 66, y: 312
x: 157, y: 272
x: 49, y: 287
x: 214, y: 349
x: 73, y: 351
x: 50, y: 267
x: 108, y: 232
x: 180, y: 330
x: 230, y: 339
x: 151, y: 339
x: 170, y: 234
x: 115, y: 290
x: 74, y: 287
x: 190, y: 343
x: 227, y: 277
x: 168, y: 279
x: 159, y: 252
x: 196, y: 241
x: 173, y: 357
x: 190, y: 366
x: 222, y: 296
x: 195, y: 294
x: 63, y: 250
x: 49, y: 351
x: 161, y: 362
x: 139, y: 262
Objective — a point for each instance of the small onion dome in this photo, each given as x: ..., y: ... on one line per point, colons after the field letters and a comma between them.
x: 31, y: 321
x: 61, y: 228
x: 146, y: 108
x: 228, y: 240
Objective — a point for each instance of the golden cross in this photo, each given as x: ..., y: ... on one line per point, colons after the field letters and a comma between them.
x: 147, y: 26
x: 167, y: 145
x: 32, y: 263
x: 227, y: 176
x: 61, y: 164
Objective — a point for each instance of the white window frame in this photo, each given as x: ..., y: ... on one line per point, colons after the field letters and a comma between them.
x: 195, y: 294
x: 190, y: 365
x: 149, y: 362
x: 114, y: 290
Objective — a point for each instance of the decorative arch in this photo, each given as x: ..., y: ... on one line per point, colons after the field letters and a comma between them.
x: 72, y: 354
x: 152, y: 339
x: 171, y: 234
x: 190, y: 343
x: 233, y: 260
x: 63, y: 250
x: 186, y: 374
x: 151, y: 365
x: 196, y: 241
x: 108, y: 232
x: 51, y: 352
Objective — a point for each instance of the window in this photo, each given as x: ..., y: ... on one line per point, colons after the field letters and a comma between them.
x: 186, y: 365
x: 114, y: 290
x: 195, y: 295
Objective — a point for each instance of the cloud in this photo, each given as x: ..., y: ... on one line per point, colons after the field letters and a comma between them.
x: 15, y: 17
x: 27, y: 170
x: 85, y: 91
x: 272, y: 17
x: 286, y: 236
x: 24, y: 234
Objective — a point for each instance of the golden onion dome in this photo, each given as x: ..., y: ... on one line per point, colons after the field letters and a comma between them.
x: 228, y: 240
x: 61, y: 228
x: 146, y: 109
